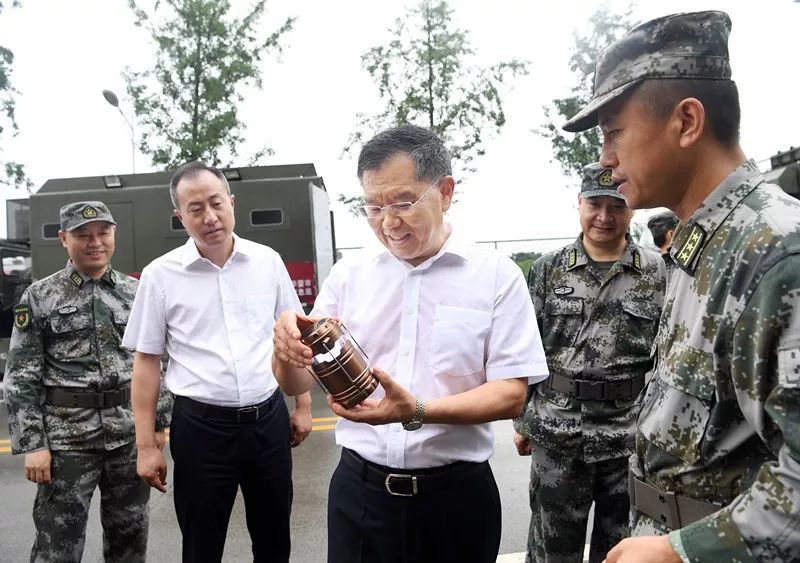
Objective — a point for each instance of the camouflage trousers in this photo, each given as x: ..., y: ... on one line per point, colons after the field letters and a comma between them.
x: 561, y: 493
x: 61, y: 507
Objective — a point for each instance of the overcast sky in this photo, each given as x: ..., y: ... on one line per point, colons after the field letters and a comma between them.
x: 67, y: 51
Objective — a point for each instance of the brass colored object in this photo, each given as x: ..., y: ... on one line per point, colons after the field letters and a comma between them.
x: 339, y: 364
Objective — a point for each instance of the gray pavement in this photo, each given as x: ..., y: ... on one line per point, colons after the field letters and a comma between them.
x: 314, y: 462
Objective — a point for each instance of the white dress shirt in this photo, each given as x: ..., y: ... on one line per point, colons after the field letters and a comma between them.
x: 215, y: 323
x: 459, y: 319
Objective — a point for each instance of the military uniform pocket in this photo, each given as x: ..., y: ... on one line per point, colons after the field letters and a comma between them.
x: 677, y: 407
x: 121, y: 322
x: 563, y: 319
x: 70, y: 336
x: 637, y: 328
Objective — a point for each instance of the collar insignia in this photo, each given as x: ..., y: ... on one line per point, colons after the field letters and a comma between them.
x: 690, y: 248
x: 637, y: 260
x: 572, y: 259
x: 76, y: 278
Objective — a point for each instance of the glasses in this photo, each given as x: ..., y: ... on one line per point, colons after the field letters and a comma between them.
x: 400, y: 209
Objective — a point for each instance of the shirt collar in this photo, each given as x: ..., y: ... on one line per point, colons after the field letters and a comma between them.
x: 79, y: 279
x: 190, y: 254
x: 631, y: 257
x: 692, y: 236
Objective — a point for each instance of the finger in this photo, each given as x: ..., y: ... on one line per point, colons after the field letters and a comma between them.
x: 46, y: 475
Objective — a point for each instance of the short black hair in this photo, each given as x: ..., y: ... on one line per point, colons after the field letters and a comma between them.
x: 190, y: 170
x: 660, y: 224
x: 431, y: 158
x: 720, y: 99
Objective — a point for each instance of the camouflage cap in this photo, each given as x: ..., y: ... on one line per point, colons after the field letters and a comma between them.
x: 597, y: 181
x: 73, y: 215
x: 693, y: 45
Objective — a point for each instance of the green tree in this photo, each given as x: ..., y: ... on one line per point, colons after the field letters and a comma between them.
x: 186, y: 105
x: 525, y: 259
x: 11, y: 173
x: 573, y: 151
x: 425, y: 76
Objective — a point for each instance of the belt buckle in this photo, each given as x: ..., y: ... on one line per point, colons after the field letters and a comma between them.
x: 586, y: 389
x: 246, y: 411
x: 399, y: 476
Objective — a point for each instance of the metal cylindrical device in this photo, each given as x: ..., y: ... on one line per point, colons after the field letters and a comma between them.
x: 339, y: 364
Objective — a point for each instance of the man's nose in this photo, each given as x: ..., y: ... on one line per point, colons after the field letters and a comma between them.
x: 389, y: 220
x: 608, y: 157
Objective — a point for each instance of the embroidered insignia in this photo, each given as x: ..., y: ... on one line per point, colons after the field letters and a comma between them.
x: 67, y: 310
x: 605, y: 180
x: 22, y: 316
x: 89, y: 212
x: 637, y: 260
x: 564, y: 290
x: 76, y: 278
x: 573, y: 258
x: 691, y: 247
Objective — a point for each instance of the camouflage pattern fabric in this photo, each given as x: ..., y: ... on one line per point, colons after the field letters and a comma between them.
x: 561, y: 493
x: 598, y: 327
x: 123, y: 506
x: 68, y: 330
x: 720, y: 418
x: 693, y: 45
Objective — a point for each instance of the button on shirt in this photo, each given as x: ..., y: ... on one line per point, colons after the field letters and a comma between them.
x: 448, y: 325
x: 215, y: 323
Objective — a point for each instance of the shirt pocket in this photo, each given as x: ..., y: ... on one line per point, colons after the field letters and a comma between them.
x: 261, y: 311
x: 70, y: 336
x: 120, y: 322
x: 458, y: 340
x: 563, y: 320
x: 676, y: 408
x: 637, y: 328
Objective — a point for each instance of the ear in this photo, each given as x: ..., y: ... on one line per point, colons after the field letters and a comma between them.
x: 177, y: 213
x: 690, y: 119
x: 580, y: 200
x: 233, y: 199
x: 63, y: 236
x: 447, y: 186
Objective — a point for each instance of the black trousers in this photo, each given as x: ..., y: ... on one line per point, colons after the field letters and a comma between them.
x: 215, y: 455
x: 456, y: 523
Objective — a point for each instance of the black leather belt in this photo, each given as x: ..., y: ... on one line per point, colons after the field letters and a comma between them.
x: 404, y: 483
x: 596, y: 390
x: 250, y: 413
x: 673, y: 510
x: 79, y: 397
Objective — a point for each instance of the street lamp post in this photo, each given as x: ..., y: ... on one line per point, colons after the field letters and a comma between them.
x: 112, y: 99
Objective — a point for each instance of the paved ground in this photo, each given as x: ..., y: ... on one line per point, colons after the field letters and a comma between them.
x: 313, y: 464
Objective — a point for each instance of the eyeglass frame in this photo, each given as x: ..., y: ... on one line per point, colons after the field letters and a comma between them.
x: 404, y: 207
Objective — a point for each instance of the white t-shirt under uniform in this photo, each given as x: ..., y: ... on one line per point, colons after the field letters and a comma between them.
x: 215, y: 323
x: 459, y: 319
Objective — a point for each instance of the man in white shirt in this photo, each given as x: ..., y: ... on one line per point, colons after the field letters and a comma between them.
x: 211, y: 305
x: 454, y: 326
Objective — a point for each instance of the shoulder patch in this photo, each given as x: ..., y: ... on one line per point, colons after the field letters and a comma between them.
x: 694, y: 242
x: 76, y: 278
x: 572, y: 259
x: 563, y: 290
x: 22, y: 316
x: 89, y: 212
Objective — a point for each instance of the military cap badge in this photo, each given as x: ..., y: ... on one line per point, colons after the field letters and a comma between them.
x: 605, y: 180
x: 22, y: 316
x: 89, y: 212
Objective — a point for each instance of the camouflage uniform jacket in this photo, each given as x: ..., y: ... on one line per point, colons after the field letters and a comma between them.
x: 67, y: 333
x: 597, y: 327
x: 720, y: 418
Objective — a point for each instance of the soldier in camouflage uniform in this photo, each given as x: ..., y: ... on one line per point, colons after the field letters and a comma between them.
x: 716, y: 473
x: 68, y: 393
x: 597, y: 301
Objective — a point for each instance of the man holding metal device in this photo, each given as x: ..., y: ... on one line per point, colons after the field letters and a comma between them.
x: 454, y: 326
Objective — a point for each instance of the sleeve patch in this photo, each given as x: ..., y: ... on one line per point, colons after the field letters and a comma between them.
x: 22, y: 316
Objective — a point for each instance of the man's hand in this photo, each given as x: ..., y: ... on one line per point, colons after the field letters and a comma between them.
x: 644, y: 549
x: 152, y: 467
x: 398, y: 405
x: 161, y: 439
x: 300, y: 423
x: 37, y: 466
x: 286, y: 339
x: 523, y: 444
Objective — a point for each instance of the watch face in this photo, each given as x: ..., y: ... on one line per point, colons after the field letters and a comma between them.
x: 413, y: 425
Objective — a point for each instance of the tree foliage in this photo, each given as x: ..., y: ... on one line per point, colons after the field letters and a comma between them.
x: 11, y: 173
x: 425, y: 76
x: 573, y: 151
x: 186, y: 105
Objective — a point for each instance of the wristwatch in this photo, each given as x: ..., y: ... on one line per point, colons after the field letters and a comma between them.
x: 416, y: 421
